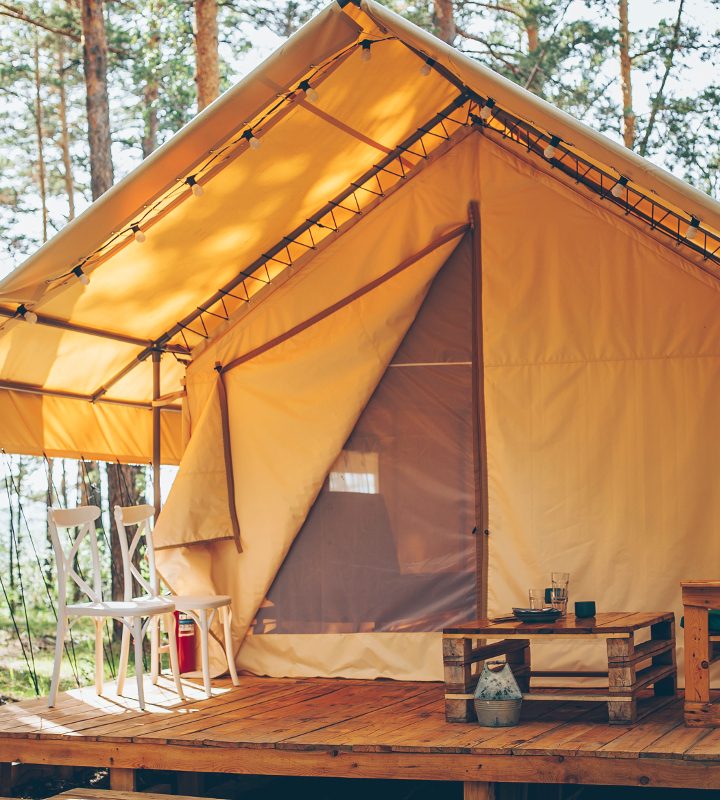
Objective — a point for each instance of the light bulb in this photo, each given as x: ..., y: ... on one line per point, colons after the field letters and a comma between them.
x: 551, y: 150
x: 487, y: 110
x: 81, y: 276
x: 693, y: 229
x: 427, y: 66
x: 251, y: 139
x: 310, y: 93
x: 30, y: 316
x: 619, y: 188
x: 365, y: 53
x: 139, y: 235
x: 195, y: 187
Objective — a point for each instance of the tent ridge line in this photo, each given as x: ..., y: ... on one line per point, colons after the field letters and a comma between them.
x: 304, y: 227
x: 347, y: 300
x: 305, y: 259
x: 29, y: 388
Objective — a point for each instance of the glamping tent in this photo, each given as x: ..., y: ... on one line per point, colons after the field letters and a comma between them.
x: 417, y: 339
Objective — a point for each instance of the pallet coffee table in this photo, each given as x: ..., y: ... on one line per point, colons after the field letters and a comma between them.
x: 632, y: 665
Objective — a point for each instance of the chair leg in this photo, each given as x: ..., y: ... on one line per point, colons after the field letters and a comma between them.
x: 99, y: 663
x: 155, y: 649
x: 124, y: 656
x: 204, y: 647
x: 230, y: 655
x: 59, y: 646
x: 169, y: 620
x: 138, y: 642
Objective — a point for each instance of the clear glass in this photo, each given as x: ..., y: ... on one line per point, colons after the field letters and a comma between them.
x: 559, y: 598
x: 536, y: 598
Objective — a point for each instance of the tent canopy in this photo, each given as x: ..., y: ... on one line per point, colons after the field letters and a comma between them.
x: 171, y: 292
x: 413, y: 304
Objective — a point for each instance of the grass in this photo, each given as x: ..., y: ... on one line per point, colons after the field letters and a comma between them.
x: 78, y: 666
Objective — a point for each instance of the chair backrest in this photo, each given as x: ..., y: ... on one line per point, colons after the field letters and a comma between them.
x: 140, y: 516
x: 82, y: 520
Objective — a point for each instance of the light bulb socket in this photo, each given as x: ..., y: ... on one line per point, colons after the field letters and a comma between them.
x: 365, y: 52
x: 693, y: 228
x: 308, y: 91
x: 25, y: 313
x: 139, y: 235
x: 551, y: 149
x: 619, y: 188
x: 195, y: 187
x: 427, y: 66
x: 487, y: 110
x: 81, y: 276
x: 251, y: 139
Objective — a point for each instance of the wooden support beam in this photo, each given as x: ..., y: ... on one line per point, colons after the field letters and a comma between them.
x: 478, y: 790
x: 123, y: 779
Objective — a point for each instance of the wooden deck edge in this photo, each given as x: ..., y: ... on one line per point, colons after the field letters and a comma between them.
x: 659, y: 772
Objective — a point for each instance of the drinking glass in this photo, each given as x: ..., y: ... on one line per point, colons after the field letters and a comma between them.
x: 560, y: 581
x: 536, y: 598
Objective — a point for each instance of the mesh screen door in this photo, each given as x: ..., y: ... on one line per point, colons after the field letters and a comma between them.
x: 388, y: 544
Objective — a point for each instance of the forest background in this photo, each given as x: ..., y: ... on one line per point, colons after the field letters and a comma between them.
x: 88, y: 88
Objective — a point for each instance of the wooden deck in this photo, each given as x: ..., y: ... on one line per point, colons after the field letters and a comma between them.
x: 358, y: 729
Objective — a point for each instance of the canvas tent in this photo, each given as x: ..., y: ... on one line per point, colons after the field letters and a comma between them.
x: 427, y: 307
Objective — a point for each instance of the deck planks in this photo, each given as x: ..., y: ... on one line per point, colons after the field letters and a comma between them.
x: 357, y: 725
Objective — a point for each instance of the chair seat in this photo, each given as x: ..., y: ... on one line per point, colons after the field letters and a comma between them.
x: 139, y: 607
x: 195, y: 602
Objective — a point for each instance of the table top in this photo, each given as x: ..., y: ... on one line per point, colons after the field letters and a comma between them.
x: 612, y: 622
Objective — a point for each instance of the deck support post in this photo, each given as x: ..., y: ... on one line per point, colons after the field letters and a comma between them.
x: 189, y: 783
x: 123, y: 779
x: 478, y: 790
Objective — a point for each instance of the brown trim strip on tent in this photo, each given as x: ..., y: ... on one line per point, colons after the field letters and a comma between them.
x: 345, y: 301
x: 227, y: 453
x: 28, y: 388
x: 478, y: 402
x: 341, y: 126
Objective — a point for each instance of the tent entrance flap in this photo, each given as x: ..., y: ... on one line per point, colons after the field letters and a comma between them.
x: 388, y: 543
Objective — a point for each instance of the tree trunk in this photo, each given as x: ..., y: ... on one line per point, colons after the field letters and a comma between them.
x: 39, y: 134
x: 444, y: 20
x: 123, y: 490
x: 626, y: 76
x: 65, y: 132
x: 207, y: 74
x: 98, y: 110
x: 150, y: 96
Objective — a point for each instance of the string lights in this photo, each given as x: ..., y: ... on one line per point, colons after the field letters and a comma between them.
x: 486, y: 111
x: 620, y: 187
x: 139, y: 235
x: 365, y: 52
x: 197, y: 190
x: 693, y: 229
x: 427, y: 66
x: 81, y: 276
x: 251, y: 139
x: 310, y: 93
x: 551, y: 150
x: 26, y: 314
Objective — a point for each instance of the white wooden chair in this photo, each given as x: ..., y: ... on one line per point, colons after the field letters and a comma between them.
x: 130, y: 612
x: 202, y: 608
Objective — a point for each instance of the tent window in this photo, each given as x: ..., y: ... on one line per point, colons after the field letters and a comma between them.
x: 396, y: 554
x: 355, y: 472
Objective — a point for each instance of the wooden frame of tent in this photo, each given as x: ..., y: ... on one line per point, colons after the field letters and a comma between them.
x: 355, y: 729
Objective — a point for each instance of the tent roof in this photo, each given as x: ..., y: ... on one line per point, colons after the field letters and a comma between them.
x: 321, y: 161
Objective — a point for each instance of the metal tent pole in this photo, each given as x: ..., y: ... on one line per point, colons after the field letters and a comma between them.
x: 156, y: 410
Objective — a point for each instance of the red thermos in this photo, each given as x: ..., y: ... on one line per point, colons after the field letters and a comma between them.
x: 185, y: 637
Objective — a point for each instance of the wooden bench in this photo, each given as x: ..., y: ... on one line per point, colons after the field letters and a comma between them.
x: 632, y: 666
